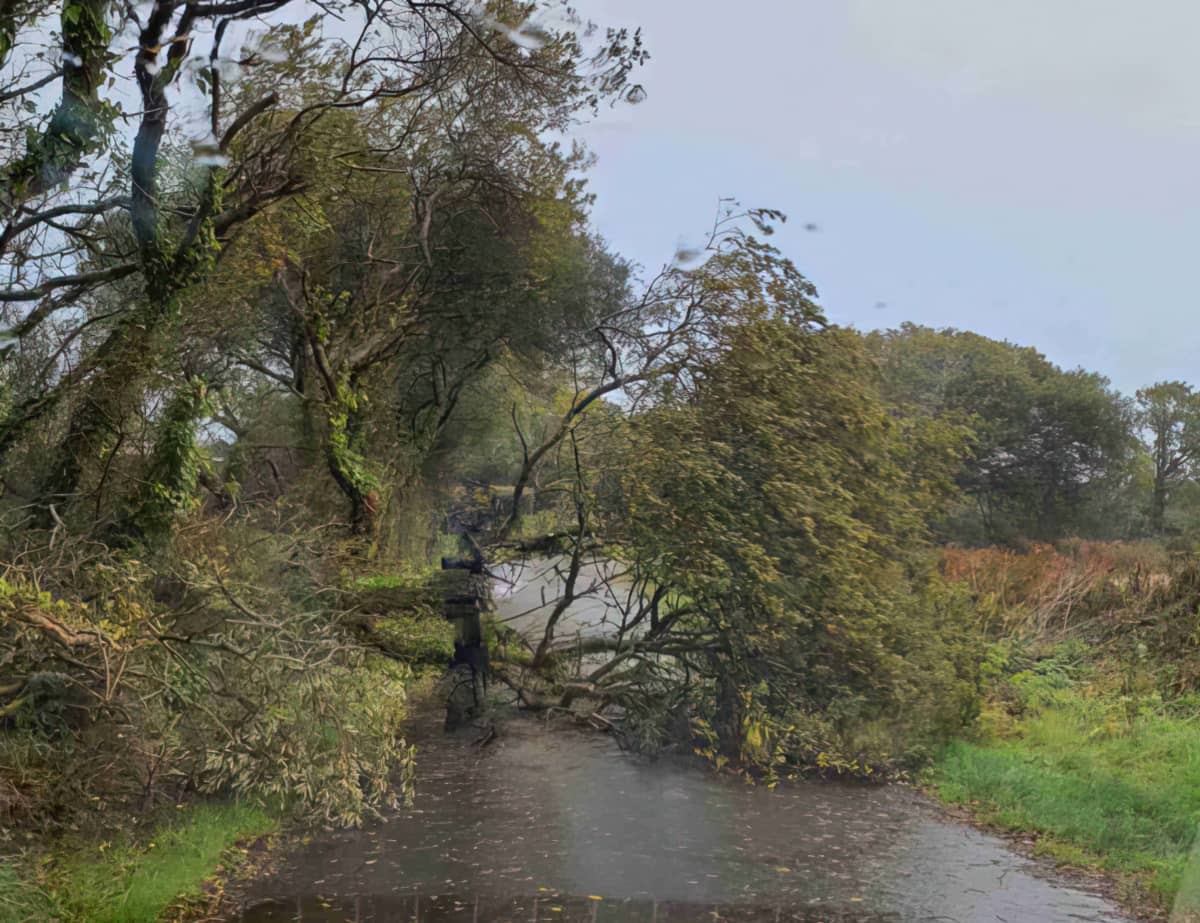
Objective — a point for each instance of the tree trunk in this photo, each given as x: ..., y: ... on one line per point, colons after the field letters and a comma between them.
x: 123, y: 364
x: 1158, y: 506
x: 363, y: 501
x: 730, y: 709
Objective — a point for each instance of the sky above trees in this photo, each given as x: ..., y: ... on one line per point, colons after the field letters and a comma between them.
x: 1025, y: 170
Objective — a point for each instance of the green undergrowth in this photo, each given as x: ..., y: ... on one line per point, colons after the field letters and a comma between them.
x: 404, y: 609
x: 414, y: 579
x: 1096, y: 782
x: 423, y: 642
x: 130, y: 879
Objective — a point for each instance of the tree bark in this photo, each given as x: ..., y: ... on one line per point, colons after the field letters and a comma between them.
x: 54, y: 155
x: 1158, y: 506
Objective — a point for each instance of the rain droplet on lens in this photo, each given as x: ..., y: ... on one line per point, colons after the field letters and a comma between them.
x: 689, y: 258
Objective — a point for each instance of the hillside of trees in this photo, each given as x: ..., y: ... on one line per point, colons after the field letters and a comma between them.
x: 284, y: 308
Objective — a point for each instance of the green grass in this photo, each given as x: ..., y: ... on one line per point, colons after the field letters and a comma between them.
x: 22, y: 900
x: 413, y: 579
x: 126, y: 883
x: 1098, y: 789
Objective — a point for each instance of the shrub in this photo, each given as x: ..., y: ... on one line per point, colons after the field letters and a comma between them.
x: 219, y: 665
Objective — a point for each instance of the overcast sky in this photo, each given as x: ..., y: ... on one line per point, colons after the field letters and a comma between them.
x: 1027, y: 169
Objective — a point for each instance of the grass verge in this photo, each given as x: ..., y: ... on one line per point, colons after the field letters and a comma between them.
x: 1096, y: 788
x: 130, y: 881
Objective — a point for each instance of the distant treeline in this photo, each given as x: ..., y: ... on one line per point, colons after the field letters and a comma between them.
x: 1052, y: 452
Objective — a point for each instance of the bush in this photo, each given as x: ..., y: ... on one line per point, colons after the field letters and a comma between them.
x: 219, y: 665
x: 329, y: 746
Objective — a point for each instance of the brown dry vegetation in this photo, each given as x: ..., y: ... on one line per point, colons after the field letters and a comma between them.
x: 1112, y: 594
x: 1086, y: 745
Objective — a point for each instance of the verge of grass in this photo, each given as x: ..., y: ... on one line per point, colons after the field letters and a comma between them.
x: 127, y: 882
x: 22, y: 900
x: 1098, y: 790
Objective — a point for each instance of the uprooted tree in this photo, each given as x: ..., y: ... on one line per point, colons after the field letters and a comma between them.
x: 757, y: 523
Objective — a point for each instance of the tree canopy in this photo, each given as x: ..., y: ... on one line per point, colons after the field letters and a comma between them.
x: 1051, y: 446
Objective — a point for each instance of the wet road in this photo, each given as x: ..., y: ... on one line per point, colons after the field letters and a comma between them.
x: 554, y: 824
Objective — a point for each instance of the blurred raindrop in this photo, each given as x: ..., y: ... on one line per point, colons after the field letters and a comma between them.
x: 528, y: 35
x: 273, y: 54
x: 206, y: 153
x: 229, y: 70
x: 689, y: 258
x: 523, y: 36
